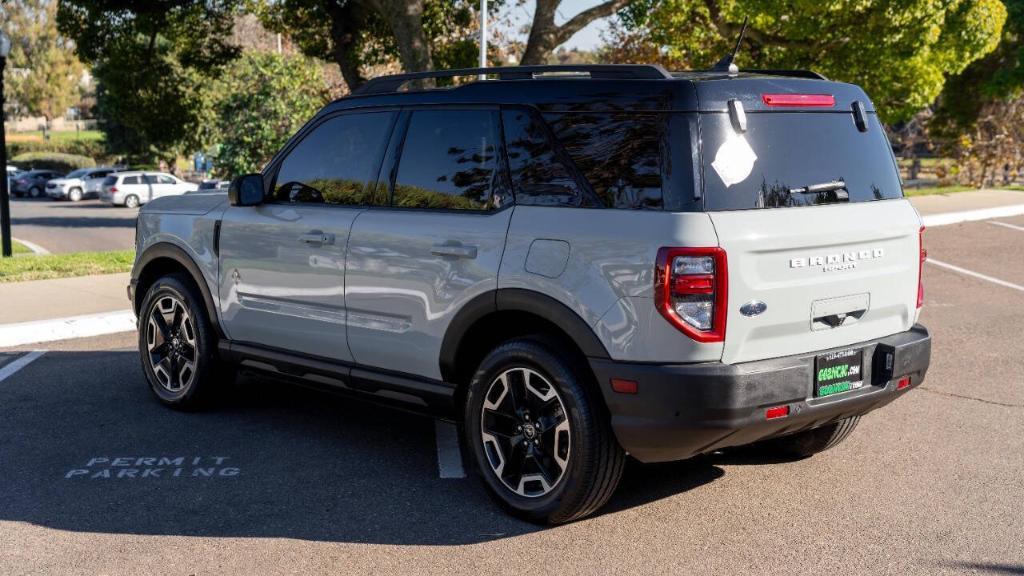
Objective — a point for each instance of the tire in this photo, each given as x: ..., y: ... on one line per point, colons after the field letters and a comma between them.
x: 810, y: 442
x: 131, y: 201
x: 35, y: 192
x: 75, y: 194
x: 186, y: 336
x: 567, y: 458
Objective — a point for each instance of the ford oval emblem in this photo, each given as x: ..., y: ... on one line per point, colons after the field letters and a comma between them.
x: 753, y: 308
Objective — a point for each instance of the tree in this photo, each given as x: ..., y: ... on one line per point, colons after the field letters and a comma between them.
x: 900, y: 51
x: 545, y: 35
x: 263, y: 99
x: 153, y: 61
x: 42, y: 72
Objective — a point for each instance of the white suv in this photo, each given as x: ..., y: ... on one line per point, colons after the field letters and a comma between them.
x: 132, y: 189
x: 82, y: 183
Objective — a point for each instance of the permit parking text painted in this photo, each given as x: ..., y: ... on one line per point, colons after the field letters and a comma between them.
x: 144, y: 467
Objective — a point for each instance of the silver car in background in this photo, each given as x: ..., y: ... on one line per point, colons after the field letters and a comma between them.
x: 82, y: 183
x: 135, y: 188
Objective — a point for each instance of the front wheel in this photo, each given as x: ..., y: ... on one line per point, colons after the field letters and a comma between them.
x: 75, y: 195
x: 178, y: 345
x: 539, y: 434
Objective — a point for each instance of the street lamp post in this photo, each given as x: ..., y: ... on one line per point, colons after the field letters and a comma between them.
x: 5, y: 194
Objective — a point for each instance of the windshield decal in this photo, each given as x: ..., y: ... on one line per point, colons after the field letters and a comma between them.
x: 734, y: 160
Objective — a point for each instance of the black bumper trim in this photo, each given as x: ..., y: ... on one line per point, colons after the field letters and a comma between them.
x: 682, y: 410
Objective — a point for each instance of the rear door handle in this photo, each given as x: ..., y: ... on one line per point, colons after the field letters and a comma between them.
x: 316, y: 238
x: 456, y: 250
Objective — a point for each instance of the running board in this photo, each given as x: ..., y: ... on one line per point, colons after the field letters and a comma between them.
x: 384, y: 386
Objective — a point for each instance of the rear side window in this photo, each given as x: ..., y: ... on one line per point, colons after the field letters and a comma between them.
x: 337, y: 162
x: 619, y: 153
x: 131, y: 180
x: 783, y: 153
x: 539, y: 175
x: 449, y: 161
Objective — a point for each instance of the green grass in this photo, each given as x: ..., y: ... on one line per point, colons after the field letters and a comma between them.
x: 93, y: 135
x: 930, y: 190
x: 19, y: 248
x: 21, y: 268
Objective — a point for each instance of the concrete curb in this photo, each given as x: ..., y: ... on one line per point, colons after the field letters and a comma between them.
x: 932, y: 220
x: 35, y: 248
x: 22, y: 333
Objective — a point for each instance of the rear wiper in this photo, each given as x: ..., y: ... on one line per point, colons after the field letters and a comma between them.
x: 837, y: 186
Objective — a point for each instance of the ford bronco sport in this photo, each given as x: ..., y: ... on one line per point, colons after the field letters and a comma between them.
x: 574, y: 262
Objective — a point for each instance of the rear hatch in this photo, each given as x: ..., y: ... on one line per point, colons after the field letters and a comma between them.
x: 801, y: 185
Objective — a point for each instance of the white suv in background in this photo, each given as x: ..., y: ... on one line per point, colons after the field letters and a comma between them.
x: 132, y: 189
x: 82, y: 183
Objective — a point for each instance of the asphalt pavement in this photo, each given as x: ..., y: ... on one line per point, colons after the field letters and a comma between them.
x: 61, y: 226
x: 97, y: 478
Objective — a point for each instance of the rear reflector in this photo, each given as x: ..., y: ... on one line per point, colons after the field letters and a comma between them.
x: 903, y: 383
x: 799, y: 100
x: 624, y: 386
x: 776, y: 412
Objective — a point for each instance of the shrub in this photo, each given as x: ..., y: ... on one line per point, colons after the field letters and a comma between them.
x: 53, y: 161
x: 90, y: 148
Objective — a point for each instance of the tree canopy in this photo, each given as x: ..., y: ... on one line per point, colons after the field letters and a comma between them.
x: 43, y: 74
x: 900, y: 51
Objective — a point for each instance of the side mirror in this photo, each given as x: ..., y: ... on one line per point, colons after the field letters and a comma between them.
x: 246, y: 190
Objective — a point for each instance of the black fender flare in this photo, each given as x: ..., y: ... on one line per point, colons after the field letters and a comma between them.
x: 178, y: 255
x: 521, y: 300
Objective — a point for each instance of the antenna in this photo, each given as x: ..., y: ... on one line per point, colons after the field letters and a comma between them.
x: 727, y: 64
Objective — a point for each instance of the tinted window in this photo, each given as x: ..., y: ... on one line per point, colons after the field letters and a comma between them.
x: 77, y: 174
x: 337, y: 162
x: 165, y: 179
x: 110, y: 181
x: 619, y: 153
x: 539, y: 176
x: 449, y: 161
x: 784, y: 152
x: 131, y: 180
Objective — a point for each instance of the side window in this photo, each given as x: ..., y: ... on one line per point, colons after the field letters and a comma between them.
x: 449, y: 161
x: 619, y: 153
x: 539, y: 177
x: 150, y: 179
x: 337, y: 162
x: 131, y: 180
x: 165, y: 179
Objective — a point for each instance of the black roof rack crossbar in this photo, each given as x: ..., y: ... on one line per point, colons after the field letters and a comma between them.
x: 386, y: 84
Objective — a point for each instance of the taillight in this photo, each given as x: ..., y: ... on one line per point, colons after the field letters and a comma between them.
x: 800, y: 100
x: 920, y: 267
x: 112, y: 189
x: 691, y: 290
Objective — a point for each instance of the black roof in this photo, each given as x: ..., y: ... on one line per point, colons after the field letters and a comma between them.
x: 607, y: 87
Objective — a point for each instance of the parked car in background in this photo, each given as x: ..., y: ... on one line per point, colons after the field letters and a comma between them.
x: 214, y: 186
x: 135, y: 188
x: 82, y: 183
x: 33, y: 182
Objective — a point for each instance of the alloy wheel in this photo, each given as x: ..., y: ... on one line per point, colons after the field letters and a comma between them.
x: 171, y: 342
x: 525, y: 432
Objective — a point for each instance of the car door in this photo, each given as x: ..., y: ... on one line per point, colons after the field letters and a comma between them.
x: 412, y: 266
x: 282, y: 263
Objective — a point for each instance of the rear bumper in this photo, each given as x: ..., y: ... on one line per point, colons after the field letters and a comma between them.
x: 682, y: 410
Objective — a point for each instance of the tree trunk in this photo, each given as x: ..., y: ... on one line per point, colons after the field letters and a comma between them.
x: 347, y: 22
x: 545, y: 35
x: 405, y: 18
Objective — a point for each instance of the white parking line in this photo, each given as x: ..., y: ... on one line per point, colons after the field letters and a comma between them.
x: 1006, y: 225
x: 976, y: 275
x: 35, y: 248
x: 9, y: 369
x: 933, y: 220
x: 22, y: 333
x: 449, y: 455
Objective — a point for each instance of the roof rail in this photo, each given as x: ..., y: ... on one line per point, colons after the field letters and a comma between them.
x: 386, y: 84
x: 791, y: 73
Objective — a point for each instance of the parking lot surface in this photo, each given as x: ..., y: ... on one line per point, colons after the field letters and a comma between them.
x: 61, y: 226
x: 97, y: 478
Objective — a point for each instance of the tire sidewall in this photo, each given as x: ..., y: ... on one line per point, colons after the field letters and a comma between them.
x: 130, y: 203
x: 34, y: 192
x: 176, y: 286
x: 534, y: 355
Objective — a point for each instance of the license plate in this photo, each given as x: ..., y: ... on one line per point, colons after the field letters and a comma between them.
x: 838, y: 372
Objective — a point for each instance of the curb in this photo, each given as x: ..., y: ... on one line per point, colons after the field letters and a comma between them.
x: 35, y: 248
x: 972, y: 215
x: 22, y: 333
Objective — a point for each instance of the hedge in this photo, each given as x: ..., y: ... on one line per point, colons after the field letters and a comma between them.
x: 52, y: 161
x: 90, y: 148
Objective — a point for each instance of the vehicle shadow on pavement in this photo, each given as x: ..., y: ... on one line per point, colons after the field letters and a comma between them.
x: 65, y: 222
x: 85, y: 447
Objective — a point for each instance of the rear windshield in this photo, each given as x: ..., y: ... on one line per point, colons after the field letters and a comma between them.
x: 783, y: 154
x: 110, y: 180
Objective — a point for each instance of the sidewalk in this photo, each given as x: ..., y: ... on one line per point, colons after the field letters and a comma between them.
x: 963, y: 201
x: 63, y: 297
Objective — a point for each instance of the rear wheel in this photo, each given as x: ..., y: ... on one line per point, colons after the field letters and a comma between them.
x: 131, y: 201
x: 75, y: 194
x: 35, y: 192
x: 539, y: 435
x: 810, y: 442
x: 178, y: 345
